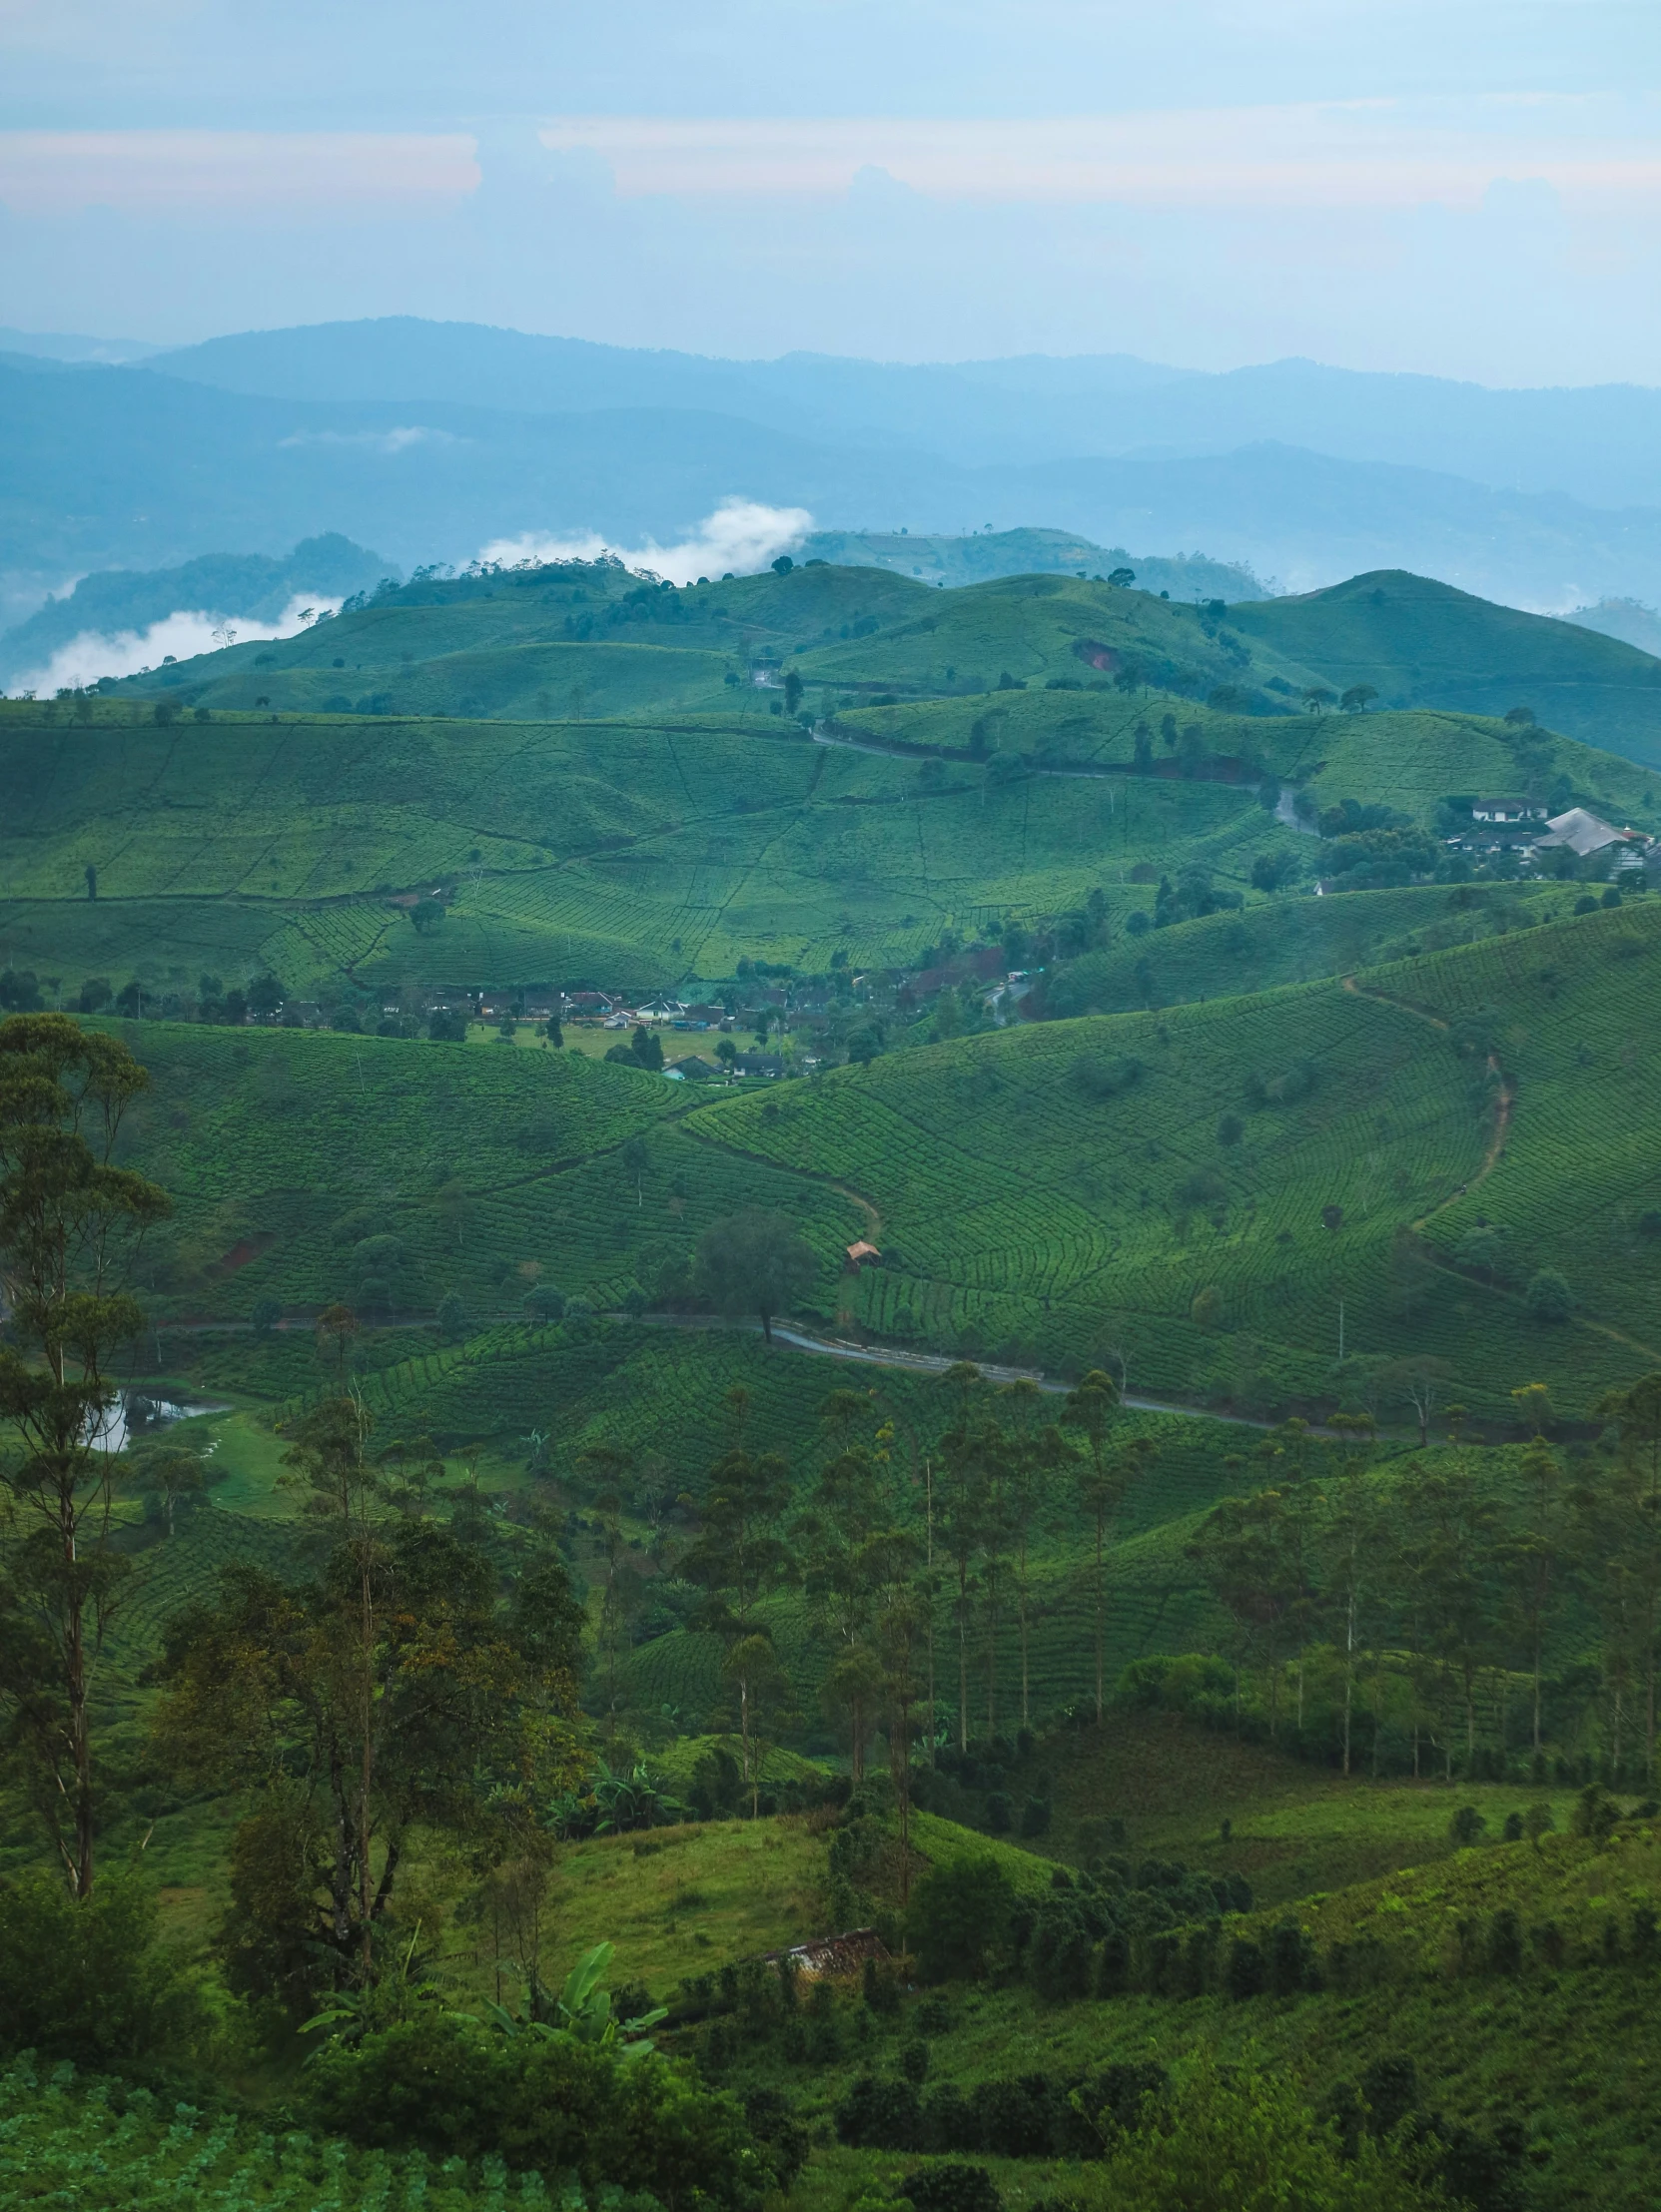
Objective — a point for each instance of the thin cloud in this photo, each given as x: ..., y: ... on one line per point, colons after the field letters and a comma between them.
x: 375, y: 441
x: 212, y: 172
x: 1380, y: 153
x: 742, y: 535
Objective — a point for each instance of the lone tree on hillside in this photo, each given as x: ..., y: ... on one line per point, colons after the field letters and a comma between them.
x: 67, y: 1220
x: 754, y: 1263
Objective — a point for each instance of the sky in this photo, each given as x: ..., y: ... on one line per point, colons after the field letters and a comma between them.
x: 1468, y: 187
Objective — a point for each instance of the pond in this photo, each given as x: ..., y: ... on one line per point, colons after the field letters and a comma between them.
x: 139, y: 1413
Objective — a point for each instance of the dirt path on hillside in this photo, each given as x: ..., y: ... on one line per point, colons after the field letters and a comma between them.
x: 867, y: 1207
x: 1502, y: 1104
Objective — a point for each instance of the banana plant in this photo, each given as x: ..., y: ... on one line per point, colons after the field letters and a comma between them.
x: 582, y: 2010
x: 352, y: 2013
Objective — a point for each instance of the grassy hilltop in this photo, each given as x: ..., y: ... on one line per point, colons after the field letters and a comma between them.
x: 1422, y: 642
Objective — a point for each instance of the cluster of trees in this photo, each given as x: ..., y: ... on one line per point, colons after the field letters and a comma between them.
x: 1209, y: 2140
x: 419, y: 1673
x: 1415, y: 1620
x: 895, y: 1535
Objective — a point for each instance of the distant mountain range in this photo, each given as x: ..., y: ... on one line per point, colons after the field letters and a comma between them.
x: 430, y: 441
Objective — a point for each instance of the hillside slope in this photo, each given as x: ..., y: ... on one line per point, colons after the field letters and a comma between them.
x: 1422, y: 643
x: 1200, y: 1190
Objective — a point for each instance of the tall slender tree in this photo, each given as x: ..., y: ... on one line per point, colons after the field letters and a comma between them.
x: 1619, y: 1521
x: 1104, y: 1478
x: 958, y: 1508
x: 70, y: 1220
x: 1531, y: 1558
x: 1034, y: 1453
x: 739, y: 1557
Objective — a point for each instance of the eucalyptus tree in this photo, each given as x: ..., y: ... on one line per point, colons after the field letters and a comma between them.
x: 1104, y: 1476
x: 70, y: 1220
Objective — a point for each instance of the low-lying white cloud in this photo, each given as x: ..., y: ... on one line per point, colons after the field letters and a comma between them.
x: 184, y: 635
x: 742, y: 535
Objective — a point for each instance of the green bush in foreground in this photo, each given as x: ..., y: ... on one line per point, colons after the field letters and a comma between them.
x: 448, y: 2086
x: 85, y: 1978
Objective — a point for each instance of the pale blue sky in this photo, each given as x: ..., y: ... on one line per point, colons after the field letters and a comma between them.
x: 1467, y: 187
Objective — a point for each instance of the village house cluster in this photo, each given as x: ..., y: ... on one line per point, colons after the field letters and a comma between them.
x: 1523, y: 826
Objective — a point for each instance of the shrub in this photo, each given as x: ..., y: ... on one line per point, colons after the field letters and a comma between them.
x: 959, y: 1914
x: 1204, y: 1187
x: 1465, y: 1826
x: 1035, y: 1817
x: 1248, y: 1969
x: 1233, y: 2140
x: 1646, y: 1936
x: 1060, y: 1950
x: 880, y: 1988
x: 774, y: 2125
x: 1021, y: 2118
x: 1549, y: 1297
x: 1099, y: 1076
x: 1124, y: 2094
x: 1292, y: 1963
x: 1505, y: 1942
x: 1595, y: 1814
x: 950, y: 2120
x: 1113, y: 1974
x: 446, y: 2085
x: 952, y: 2188
x: 880, y: 2115
x: 85, y: 1978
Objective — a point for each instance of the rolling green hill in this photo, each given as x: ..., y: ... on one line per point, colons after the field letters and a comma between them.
x: 597, y: 772
x: 288, y: 1153
x: 635, y: 855
x: 1422, y: 643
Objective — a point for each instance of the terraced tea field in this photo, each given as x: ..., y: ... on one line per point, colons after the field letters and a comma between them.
x: 289, y: 1154
x: 1197, y: 1190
